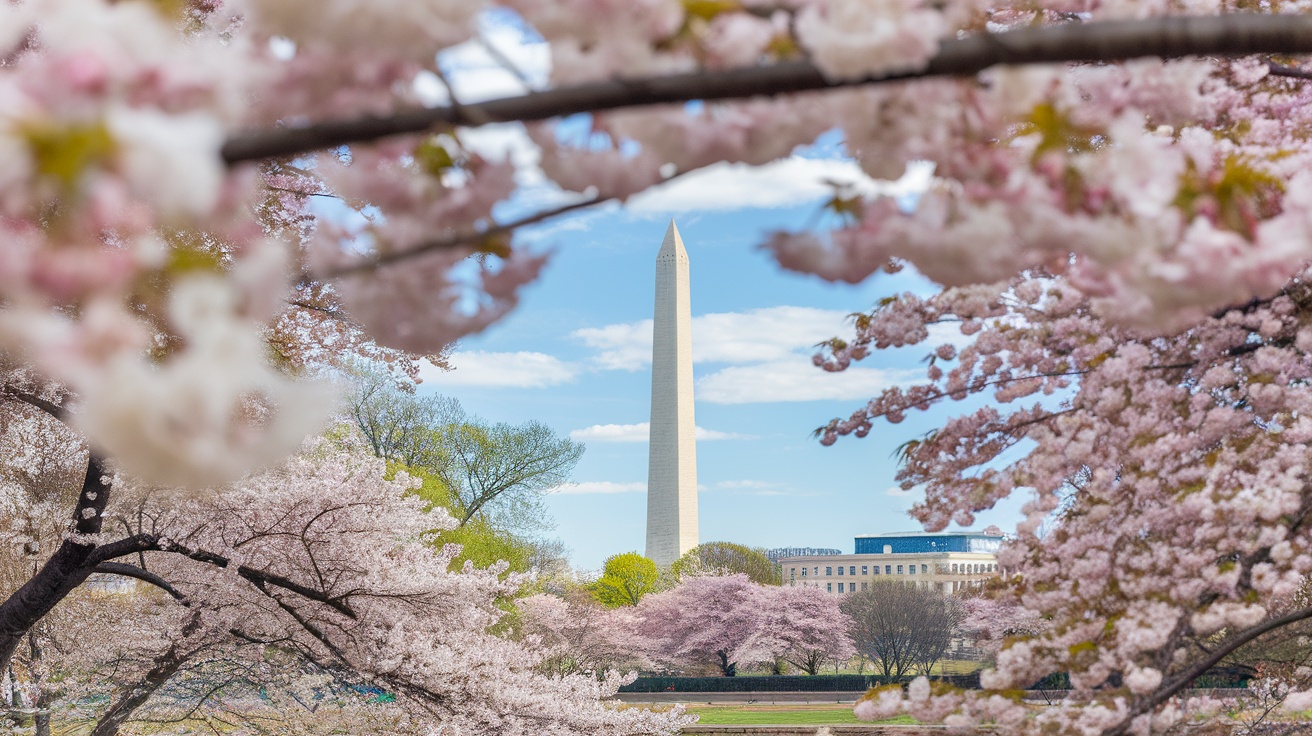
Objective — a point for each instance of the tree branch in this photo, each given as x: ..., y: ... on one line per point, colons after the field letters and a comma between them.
x: 460, y: 239
x: 1117, y: 40
x: 49, y: 407
x: 1184, y: 679
x: 1293, y: 72
x: 132, y: 571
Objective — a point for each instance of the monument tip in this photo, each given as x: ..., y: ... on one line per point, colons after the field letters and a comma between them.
x: 673, y: 242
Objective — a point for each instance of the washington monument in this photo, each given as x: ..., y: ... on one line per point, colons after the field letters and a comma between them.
x: 672, y: 467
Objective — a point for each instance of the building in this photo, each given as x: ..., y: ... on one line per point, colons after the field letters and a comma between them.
x: 778, y: 553
x: 672, y: 463
x: 948, y: 562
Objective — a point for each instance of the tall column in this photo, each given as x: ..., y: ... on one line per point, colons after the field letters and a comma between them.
x: 672, y: 466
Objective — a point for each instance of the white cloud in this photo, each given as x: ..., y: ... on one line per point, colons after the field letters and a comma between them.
x: 598, y: 486
x: 896, y: 491
x: 743, y: 484
x: 757, y: 488
x: 640, y: 432
x: 783, y: 183
x: 771, y: 333
x: 510, y: 370
x: 612, y: 433
x: 625, y: 346
x: 794, y: 380
x: 708, y: 435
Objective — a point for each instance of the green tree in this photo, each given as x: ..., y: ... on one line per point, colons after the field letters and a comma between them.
x: 482, y: 542
x: 727, y: 558
x: 494, y: 472
x: 624, y: 580
x: 499, y: 472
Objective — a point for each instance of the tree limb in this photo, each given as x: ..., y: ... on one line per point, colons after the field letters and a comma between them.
x: 132, y: 571
x: 1184, y: 679
x: 1115, y: 40
x: 49, y: 407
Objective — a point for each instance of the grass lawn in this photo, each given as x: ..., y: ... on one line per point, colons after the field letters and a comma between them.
x: 791, y: 715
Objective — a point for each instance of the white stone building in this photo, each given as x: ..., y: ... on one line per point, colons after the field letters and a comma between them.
x: 948, y: 562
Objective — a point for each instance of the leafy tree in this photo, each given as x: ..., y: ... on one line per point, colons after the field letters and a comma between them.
x: 398, y: 424
x: 500, y: 471
x: 727, y: 558
x: 495, y: 473
x: 625, y: 579
x: 903, y: 628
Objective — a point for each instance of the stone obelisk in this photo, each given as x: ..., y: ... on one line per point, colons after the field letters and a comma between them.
x: 672, y: 468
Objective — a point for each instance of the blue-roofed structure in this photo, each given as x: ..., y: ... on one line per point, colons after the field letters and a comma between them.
x: 949, y: 562
x: 903, y: 543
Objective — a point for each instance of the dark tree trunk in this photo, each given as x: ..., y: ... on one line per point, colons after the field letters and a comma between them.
x: 41, y: 721
x: 730, y: 669
x: 165, y: 667
x: 66, y: 569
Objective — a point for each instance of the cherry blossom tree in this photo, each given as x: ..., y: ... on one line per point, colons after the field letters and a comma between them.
x: 321, y: 561
x: 1166, y: 525
x: 808, y: 627
x: 578, y: 634
x: 719, y: 623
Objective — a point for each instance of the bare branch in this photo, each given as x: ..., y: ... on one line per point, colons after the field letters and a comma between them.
x: 132, y: 571
x: 49, y: 407
x: 1117, y: 40
x: 1293, y: 72
x: 461, y: 239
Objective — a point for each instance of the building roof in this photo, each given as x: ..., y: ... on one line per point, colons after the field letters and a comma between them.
x: 929, y: 534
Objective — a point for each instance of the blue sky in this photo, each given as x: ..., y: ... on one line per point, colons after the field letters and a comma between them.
x: 576, y: 354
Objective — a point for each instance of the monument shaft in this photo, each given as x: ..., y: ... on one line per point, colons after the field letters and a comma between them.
x: 672, y: 467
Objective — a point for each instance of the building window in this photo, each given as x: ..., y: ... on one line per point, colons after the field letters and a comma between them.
x: 865, y: 586
x: 816, y: 571
x: 924, y: 569
x: 840, y: 587
x: 804, y: 572
x: 876, y: 569
x: 899, y: 569
x: 888, y: 569
x: 865, y: 570
x: 954, y: 567
x: 840, y: 570
x: 829, y: 587
x: 851, y: 570
x: 829, y: 571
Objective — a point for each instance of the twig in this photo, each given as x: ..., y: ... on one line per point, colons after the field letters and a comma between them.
x: 460, y: 239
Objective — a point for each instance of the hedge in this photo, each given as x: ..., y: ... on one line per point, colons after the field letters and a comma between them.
x: 778, y: 683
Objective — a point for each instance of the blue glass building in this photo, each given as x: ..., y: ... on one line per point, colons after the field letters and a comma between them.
x: 925, y: 543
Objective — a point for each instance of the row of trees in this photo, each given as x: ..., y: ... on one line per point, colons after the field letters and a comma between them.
x: 725, y: 623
